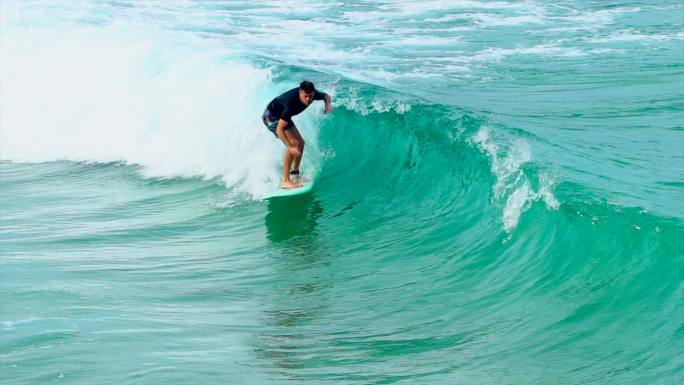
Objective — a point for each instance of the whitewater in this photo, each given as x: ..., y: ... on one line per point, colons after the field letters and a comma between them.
x: 499, y: 193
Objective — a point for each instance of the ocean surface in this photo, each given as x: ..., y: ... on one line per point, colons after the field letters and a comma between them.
x: 499, y: 193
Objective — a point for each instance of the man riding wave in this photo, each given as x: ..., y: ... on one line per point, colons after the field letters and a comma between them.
x: 277, y: 117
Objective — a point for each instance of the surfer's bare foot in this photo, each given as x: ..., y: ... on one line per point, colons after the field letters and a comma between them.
x: 290, y: 184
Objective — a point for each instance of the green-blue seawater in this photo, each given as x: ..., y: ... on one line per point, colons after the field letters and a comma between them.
x: 499, y: 193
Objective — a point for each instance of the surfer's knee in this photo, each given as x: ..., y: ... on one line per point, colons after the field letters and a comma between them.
x: 300, y: 144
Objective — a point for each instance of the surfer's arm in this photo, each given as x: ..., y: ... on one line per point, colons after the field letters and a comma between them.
x: 327, y: 100
x: 318, y: 95
x: 280, y: 131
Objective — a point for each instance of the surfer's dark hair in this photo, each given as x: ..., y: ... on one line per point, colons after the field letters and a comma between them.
x: 307, y: 87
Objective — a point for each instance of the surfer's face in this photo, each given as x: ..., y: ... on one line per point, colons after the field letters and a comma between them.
x: 305, y: 98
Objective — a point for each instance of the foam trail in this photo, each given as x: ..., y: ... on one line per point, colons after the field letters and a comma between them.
x: 170, y: 102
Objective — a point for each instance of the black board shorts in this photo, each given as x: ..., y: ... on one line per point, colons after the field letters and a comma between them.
x: 271, y: 122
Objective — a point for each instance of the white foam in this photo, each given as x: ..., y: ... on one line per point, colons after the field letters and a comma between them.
x: 422, y: 41
x: 357, y: 104
x: 631, y: 36
x: 175, y: 104
x: 595, y: 19
x: 512, y: 186
x: 496, y: 54
x: 358, y: 17
x: 10, y: 325
x: 493, y: 20
x: 416, y: 7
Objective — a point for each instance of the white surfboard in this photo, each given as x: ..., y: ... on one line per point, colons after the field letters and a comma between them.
x: 288, y: 192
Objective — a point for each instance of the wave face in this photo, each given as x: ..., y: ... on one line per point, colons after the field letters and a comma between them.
x: 498, y: 193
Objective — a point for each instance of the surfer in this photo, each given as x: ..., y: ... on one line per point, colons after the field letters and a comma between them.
x: 278, y: 119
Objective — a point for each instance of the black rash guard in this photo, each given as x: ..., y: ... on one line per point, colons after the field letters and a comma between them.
x: 288, y: 104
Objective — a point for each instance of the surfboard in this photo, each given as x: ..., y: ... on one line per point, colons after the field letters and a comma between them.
x: 288, y: 192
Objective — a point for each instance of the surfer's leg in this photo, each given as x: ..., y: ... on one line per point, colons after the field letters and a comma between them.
x: 296, y: 138
x: 271, y: 124
x: 287, y: 163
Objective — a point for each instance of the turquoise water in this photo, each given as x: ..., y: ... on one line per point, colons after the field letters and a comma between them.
x: 499, y: 193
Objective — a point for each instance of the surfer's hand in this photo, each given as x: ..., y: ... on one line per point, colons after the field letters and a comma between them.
x: 328, y: 108
x: 294, y: 150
